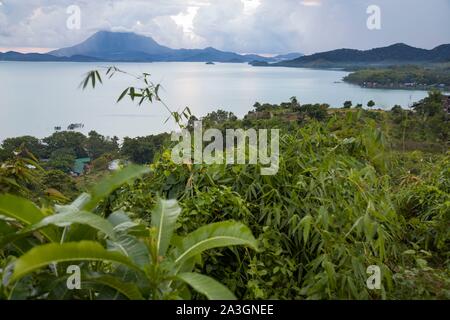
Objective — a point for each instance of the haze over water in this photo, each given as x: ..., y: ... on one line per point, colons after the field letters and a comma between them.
x: 37, y: 97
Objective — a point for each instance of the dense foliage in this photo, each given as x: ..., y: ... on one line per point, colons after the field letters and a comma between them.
x: 355, y: 188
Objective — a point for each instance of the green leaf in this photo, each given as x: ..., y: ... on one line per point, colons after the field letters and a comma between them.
x: 73, y: 216
x: 221, y: 234
x: 132, y: 248
x: 85, y: 82
x: 20, y: 209
x: 98, y: 76
x: 207, y: 286
x: 93, y: 79
x: 25, y: 212
x: 46, y: 254
x: 124, y: 93
x: 125, y: 243
x: 306, y: 225
x: 129, y: 290
x: 164, y: 219
x: 113, y: 182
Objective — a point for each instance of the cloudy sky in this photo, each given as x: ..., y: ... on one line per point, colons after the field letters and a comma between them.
x: 245, y: 26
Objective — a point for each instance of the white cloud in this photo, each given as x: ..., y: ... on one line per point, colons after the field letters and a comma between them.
x: 269, y: 26
x: 311, y: 3
x: 250, y: 5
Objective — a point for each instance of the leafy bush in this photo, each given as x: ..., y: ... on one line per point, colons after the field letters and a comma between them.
x: 133, y: 260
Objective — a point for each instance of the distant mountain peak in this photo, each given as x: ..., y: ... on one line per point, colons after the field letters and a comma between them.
x: 399, y: 45
x: 129, y: 46
x: 107, y: 44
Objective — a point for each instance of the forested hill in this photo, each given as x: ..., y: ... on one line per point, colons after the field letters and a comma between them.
x: 395, y: 54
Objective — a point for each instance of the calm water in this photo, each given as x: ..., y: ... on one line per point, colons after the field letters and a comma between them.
x: 36, y: 97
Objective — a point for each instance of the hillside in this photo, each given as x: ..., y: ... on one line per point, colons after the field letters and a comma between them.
x: 403, y: 77
x: 17, y: 56
x: 395, y: 54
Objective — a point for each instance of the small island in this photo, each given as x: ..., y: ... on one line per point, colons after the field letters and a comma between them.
x: 403, y: 77
x: 210, y: 63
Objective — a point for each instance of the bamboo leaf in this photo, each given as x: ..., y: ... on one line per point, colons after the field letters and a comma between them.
x: 306, y: 225
x: 123, y: 94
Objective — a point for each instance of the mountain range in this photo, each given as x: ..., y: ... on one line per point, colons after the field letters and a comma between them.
x: 131, y: 47
x: 399, y: 53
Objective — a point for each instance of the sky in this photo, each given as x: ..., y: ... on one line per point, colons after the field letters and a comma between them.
x: 244, y: 26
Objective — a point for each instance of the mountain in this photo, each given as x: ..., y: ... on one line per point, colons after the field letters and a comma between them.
x: 289, y: 56
x: 17, y: 56
x: 395, y: 54
x: 115, y: 46
x: 127, y: 46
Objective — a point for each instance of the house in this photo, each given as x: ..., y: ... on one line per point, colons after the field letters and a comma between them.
x: 80, y: 166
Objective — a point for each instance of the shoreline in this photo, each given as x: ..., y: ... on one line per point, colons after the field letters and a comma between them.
x: 445, y: 90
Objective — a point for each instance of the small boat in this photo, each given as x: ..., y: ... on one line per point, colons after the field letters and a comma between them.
x: 210, y: 62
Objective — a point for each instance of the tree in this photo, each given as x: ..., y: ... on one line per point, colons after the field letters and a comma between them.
x: 20, y: 174
x: 97, y: 145
x: 142, y: 150
x: 32, y: 144
x: 62, y: 159
x: 348, y: 104
x: 59, y: 180
x: 397, y: 109
x: 371, y: 104
x: 431, y: 105
x: 315, y: 111
x: 68, y: 140
x: 102, y: 162
x: 295, y: 105
x: 257, y: 106
x: 3, y: 154
x: 218, y: 117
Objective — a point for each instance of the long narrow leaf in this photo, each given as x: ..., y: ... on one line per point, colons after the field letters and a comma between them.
x: 44, y: 255
x: 207, y: 286
x: 221, y: 234
x: 25, y: 212
x: 78, y: 217
x: 164, y: 219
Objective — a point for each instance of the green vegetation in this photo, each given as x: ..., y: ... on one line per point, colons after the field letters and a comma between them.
x: 134, y: 260
x: 403, y: 77
x: 143, y: 149
x: 355, y: 188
